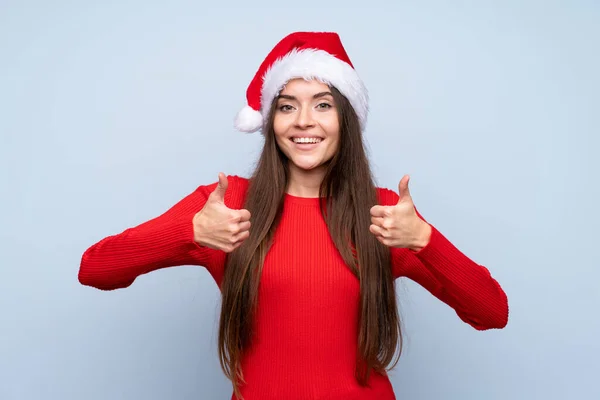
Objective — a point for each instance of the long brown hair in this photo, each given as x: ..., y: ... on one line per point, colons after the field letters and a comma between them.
x: 350, y: 192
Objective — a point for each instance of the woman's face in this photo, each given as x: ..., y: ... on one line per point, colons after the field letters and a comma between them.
x: 306, y: 123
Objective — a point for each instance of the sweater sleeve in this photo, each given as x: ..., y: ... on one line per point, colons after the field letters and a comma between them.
x: 452, y: 277
x: 164, y: 241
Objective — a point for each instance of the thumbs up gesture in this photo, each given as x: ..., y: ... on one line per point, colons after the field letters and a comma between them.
x: 218, y: 227
x: 399, y: 225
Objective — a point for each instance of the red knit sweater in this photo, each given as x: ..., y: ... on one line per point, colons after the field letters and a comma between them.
x: 306, y: 338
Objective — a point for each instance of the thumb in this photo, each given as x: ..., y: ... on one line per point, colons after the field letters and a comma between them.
x: 219, y: 192
x: 403, y: 190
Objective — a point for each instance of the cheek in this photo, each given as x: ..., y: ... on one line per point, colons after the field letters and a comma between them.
x: 281, y: 143
x: 281, y: 123
x: 279, y: 129
x: 333, y: 131
x: 332, y: 125
x: 334, y: 146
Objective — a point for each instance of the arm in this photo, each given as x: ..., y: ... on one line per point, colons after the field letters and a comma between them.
x: 167, y: 240
x: 452, y: 277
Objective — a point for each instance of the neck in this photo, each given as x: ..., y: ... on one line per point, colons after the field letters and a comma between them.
x: 303, y: 183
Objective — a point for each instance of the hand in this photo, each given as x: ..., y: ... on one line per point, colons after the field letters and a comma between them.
x: 218, y: 227
x: 399, y: 225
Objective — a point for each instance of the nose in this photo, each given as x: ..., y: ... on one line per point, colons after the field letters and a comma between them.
x: 304, y: 118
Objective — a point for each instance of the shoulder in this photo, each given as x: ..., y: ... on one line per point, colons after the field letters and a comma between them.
x: 386, y: 197
x: 235, y: 197
x: 238, y: 182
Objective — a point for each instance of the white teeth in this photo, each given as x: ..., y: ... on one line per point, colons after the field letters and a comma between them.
x: 307, y: 140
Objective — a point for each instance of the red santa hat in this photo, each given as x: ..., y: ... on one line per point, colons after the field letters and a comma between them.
x: 308, y: 55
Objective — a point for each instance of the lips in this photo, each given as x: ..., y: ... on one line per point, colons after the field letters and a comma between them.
x: 306, y: 139
x: 306, y: 135
x: 306, y: 146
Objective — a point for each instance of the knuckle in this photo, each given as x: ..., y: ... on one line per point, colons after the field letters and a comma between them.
x: 233, y: 228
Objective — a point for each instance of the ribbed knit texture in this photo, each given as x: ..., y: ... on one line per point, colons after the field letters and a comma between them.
x: 306, y: 339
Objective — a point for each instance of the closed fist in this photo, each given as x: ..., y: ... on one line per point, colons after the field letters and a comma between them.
x: 218, y: 227
x: 399, y: 225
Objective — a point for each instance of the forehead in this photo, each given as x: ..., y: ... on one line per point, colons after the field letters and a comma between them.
x: 301, y: 86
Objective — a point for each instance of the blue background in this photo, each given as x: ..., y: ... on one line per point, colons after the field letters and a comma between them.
x: 110, y: 112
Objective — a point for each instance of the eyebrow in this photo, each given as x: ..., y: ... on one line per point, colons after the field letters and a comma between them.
x: 316, y: 96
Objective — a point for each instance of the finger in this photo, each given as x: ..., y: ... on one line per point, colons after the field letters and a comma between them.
x: 403, y: 191
x: 244, y: 215
x: 377, y: 231
x: 381, y: 240
x: 377, y: 221
x: 240, y: 237
x: 236, y: 245
x: 379, y: 211
x: 219, y: 192
x: 244, y: 226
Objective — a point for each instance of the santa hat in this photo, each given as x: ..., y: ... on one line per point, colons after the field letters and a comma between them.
x: 308, y: 55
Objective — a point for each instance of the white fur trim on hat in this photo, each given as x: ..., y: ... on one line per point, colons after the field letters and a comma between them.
x: 248, y: 120
x: 320, y: 65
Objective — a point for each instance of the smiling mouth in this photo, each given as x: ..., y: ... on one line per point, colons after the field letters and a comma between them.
x: 301, y: 140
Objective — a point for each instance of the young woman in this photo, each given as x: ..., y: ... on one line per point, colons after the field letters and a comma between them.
x: 305, y: 251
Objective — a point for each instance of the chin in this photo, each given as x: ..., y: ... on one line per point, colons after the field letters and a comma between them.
x: 303, y: 163
x: 308, y: 165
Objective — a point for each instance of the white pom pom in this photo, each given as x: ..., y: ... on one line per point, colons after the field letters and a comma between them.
x: 248, y: 120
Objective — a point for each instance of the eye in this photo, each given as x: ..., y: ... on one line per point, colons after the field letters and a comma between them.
x: 285, y: 107
x: 324, y: 105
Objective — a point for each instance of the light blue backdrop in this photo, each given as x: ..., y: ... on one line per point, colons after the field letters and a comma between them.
x: 110, y: 112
